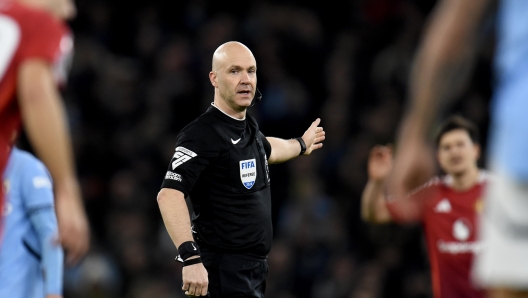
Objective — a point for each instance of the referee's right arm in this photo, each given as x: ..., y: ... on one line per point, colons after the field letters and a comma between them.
x: 175, y: 215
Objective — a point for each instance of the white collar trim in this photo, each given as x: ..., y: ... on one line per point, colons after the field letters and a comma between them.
x: 228, y: 114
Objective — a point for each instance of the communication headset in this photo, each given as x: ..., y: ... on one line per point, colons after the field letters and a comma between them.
x: 257, y: 98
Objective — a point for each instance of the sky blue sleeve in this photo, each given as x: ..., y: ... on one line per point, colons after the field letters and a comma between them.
x: 36, y: 185
x: 45, y: 223
x: 39, y: 203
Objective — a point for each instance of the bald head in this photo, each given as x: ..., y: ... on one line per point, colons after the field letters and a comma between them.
x: 229, y: 52
x: 234, y: 77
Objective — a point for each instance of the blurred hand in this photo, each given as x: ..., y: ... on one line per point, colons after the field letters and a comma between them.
x: 379, y: 163
x: 195, y: 281
x: 313, y: 137
x: 53, y: 296
x: 74, y: 231
x: 413, y: 165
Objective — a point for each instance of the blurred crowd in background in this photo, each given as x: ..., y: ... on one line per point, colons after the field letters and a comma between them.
x: 140, y: 73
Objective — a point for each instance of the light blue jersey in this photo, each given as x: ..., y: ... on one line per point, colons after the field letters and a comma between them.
x: 509, y: 126
x: 28, y: 246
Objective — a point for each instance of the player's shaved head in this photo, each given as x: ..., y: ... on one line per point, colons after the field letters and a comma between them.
x: 228, y: 51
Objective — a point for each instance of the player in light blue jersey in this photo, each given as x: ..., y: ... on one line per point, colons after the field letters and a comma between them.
x: 441, y: 67
x: 509, y: 136
x: 31, y: 258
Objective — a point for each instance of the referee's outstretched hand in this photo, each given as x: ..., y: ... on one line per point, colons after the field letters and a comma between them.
x: 313, y: 137
x: 195, y: 281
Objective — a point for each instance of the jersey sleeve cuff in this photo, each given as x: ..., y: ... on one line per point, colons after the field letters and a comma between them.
x: 175, y: 185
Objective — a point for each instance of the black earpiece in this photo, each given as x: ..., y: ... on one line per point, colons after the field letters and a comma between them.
x: 257, y: 98
x: 258, y: 95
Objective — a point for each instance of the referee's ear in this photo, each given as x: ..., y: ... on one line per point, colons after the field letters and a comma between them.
x: 212, y: 78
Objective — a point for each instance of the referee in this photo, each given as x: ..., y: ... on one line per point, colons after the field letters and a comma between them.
x: 221, y: 162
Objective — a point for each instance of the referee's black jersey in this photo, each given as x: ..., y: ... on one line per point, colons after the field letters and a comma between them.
x: 221, y: 162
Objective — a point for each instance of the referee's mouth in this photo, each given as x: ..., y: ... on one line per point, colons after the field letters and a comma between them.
x: 244, y: 92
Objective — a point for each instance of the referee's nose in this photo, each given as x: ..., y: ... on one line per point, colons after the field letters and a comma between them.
x: 245, y: 78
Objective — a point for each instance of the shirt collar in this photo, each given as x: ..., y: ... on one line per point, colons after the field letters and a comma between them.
x: 228, y: 114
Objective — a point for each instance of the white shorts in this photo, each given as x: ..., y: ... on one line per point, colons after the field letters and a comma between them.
x: 503, y: 261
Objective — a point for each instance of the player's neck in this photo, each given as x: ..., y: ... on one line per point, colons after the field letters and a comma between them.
x: 229, y: 111
x: 466, y: 180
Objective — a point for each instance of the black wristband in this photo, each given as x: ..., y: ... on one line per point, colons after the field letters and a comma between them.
x: 192, y: 262
x: 188, y: 249
x: 303, y: 145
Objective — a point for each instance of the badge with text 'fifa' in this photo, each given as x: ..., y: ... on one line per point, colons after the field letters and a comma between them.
x: 248, y: 172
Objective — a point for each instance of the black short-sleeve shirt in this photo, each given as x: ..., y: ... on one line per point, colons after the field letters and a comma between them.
x: 221, y: 163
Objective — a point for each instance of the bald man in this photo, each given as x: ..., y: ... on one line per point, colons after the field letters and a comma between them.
x: 221, y: 162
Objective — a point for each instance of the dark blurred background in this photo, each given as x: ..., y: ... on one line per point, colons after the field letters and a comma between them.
x: 140, y: 73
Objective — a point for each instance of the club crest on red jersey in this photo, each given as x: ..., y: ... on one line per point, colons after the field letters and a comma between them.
x: 479, y: 205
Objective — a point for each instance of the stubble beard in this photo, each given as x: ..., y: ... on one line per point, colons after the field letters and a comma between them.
x: 229, y: 99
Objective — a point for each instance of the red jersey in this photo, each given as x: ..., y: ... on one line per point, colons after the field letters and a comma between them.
x: 449, y: 218
x: 25, y: 33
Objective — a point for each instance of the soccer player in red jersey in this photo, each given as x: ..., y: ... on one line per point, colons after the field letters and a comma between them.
x: 35, y: 49
x: 447, y: 206
x: 441, y: 69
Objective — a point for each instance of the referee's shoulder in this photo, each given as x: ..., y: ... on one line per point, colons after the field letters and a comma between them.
x: 201, y: 121
x: 202, y: 125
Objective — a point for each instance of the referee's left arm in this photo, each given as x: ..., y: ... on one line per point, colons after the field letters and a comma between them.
x: 283, y: 150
